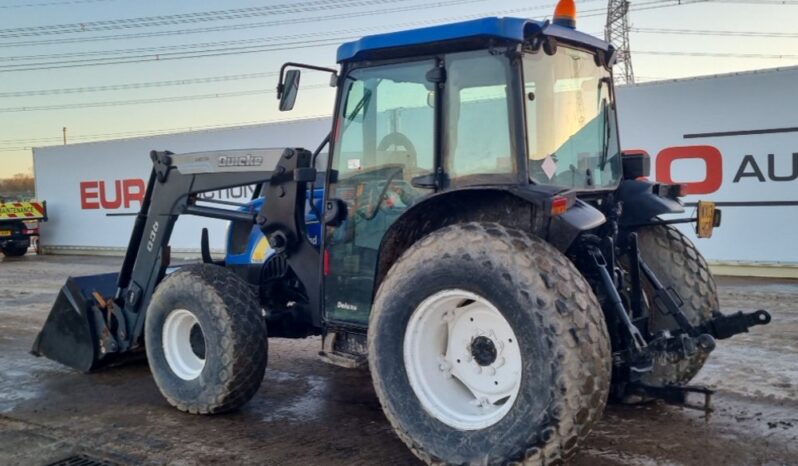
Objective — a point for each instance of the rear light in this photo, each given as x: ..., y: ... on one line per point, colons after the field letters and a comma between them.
x: 31, y: 224
x: 672, y: 191
x: 30, y: 231
x: 326, y: 262
x: 559, y: 205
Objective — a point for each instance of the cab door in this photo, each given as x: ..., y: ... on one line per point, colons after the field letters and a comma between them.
x: 384, y: 139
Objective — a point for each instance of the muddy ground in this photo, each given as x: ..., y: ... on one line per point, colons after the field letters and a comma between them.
x: 308, y: 412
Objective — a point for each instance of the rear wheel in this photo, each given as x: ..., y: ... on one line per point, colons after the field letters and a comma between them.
x: 487, y: 346
x: 678, y: 265
x: 16, y: 249
x: 206, y: 339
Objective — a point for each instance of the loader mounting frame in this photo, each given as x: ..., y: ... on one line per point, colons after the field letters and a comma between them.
x: 113, y: 321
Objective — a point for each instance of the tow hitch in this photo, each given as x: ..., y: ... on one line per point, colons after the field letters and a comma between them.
x: 726, y: 326
x: 677, y: 394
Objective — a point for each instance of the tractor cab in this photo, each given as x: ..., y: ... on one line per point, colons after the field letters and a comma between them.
x: 504, y: 103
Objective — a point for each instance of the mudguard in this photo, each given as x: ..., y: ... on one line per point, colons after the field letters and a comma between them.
x: 566, y: 227
x: 641, y: 203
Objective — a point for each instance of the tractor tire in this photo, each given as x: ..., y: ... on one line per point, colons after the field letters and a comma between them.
x: 206, y: 339
x: 15, y: 249
x: 487, y: 346
x: 678, y: 265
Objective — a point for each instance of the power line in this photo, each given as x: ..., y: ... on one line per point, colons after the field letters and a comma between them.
x: 187, y: 18
x: 260, y: 49
x: 700, y: 32
x: 127, y: 86
x: 140, y: 133
x: 117, y: 103
x: 305, y: 43
x: 46, y: 4
x: 350, y: 32
x: 718, y: 54
x: 642, y: 6
x: 162, y: 53
x: 759, y: 2
x: 173, y: 55
x: 230, y: 27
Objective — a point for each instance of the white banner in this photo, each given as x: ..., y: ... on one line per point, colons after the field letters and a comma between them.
x: 734, y: 139
x: 87, y: 186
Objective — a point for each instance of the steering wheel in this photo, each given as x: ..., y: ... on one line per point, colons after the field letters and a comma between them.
x: 392, y: 139
x: 399, y: 140
x: 382, y: 195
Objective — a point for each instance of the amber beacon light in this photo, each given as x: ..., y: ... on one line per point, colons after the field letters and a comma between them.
x: 565, y: 14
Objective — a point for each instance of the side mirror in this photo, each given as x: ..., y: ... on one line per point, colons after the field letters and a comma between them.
x: 289, y: 89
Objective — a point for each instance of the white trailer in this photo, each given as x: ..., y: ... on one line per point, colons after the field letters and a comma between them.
x: 94, y: 189
x: 733, y: 138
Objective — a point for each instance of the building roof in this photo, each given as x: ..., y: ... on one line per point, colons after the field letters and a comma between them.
x: 512, y: 29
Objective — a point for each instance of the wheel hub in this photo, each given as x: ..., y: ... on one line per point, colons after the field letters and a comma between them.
x: 183, y: 344
x: 197, y: 340
x: 476, y: 376
x: 483, y: 351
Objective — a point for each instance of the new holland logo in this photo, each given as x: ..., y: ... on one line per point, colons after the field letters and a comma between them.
x: 248, y: 160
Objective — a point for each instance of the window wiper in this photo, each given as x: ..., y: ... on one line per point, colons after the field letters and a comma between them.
x: 605, y: 141
x: 361, y: 104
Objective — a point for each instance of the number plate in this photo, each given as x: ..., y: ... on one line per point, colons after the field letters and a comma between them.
x: 5, y: 232
x: 707, y: 222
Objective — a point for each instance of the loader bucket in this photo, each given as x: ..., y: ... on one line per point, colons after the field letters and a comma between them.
x: 70, y: 334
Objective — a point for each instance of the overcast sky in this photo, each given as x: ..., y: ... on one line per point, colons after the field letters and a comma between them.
x: 33, y: 35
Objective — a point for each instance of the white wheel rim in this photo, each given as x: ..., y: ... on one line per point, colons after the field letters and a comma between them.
x: 176, y: 342
x: 453, y: 372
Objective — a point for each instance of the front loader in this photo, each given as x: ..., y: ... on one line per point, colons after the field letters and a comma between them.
x: 487, y: 250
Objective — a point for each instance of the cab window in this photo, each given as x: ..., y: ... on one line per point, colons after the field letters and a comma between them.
x: 477, y: 138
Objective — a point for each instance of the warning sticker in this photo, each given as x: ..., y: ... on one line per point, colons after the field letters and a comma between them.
x: 549, y: 167
x: 21, y: 210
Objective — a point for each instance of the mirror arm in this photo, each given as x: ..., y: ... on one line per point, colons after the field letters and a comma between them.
x: 281, y: 87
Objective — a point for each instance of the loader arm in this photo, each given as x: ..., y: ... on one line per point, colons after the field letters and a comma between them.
x: 111, y: 323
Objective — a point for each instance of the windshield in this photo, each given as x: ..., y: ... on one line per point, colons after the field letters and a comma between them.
x: 571, y: 127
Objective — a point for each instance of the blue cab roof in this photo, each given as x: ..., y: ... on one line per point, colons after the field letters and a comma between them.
x: 512, y: 29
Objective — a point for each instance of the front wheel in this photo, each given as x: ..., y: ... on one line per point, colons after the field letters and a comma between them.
x: 486, y: 345
x: 206, y: 339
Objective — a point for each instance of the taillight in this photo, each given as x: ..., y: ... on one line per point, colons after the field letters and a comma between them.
x: 326, y: 262
x: 559, y: 205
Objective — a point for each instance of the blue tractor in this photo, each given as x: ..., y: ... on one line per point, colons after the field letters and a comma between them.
x: 476, y: 238
x: 246, y: 243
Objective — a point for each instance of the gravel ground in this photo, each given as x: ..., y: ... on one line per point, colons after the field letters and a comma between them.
x: 308, y: 412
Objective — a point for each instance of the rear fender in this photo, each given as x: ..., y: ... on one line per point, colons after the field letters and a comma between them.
x: 523, y: 209
x: 566, y: 227
x: 641, y: 203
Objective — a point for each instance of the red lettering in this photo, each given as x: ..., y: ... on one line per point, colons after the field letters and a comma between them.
x: 709, y: 154
x: 117, y: 202
x: 93, y: 194
x: 86, y: 195
x: 134, y: 191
